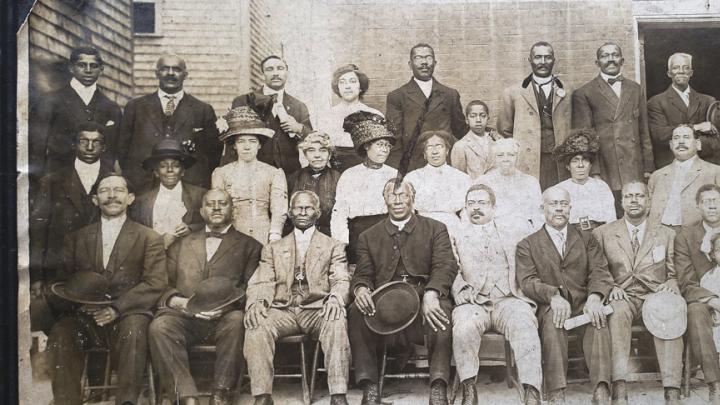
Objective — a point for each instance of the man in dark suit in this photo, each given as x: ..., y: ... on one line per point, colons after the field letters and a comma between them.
x: 615, y: 107
x: 132, y: 259
x: 218, y: 250
x: 172, y: 208
x: 170, y: 112
x: 417, y: 250
x: 423, y: 100
x: 55, y: 124
x: 693, y: 249
x: 564, y: 270
x: 680, y: 104
x: 283, y: 113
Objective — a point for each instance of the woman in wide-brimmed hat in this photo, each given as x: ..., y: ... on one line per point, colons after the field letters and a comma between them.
x: 359, y: 203
x: 593, y: 203
x: 172, y: 207
x: 258, y: 190
x: 349, y: 83
x: 439, y: 188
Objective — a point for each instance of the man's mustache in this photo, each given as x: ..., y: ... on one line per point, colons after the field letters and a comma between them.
x: 477, y: 212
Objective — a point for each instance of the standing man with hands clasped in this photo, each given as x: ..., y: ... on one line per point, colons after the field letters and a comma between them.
x: 564, y: 270
x: 403, y: 260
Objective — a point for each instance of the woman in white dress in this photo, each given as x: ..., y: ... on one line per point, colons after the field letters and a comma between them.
x: 359, y: 202
x: 593, y: 203
x: 348, y: 83
x: 258, y: 190
x: 517, y: 194
x: 439, y: 188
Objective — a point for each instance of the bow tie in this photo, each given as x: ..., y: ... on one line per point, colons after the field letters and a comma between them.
x: 214, y: 234
x: 614, y: 80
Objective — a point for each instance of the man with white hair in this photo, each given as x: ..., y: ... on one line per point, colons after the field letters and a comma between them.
x: 517, y: 194
x: 680, y: 104
x: 564, y: 271
x: 487, y: 296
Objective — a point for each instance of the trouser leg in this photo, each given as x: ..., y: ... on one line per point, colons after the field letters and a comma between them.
x: 470, y: 321
x: 670, y: 360
x: 67, y: 338
x: 335, y: 344
x: 620, y: 324
x: 363, y: 344
x: 597, y: 350
x: 129, y: 347
x: 229, y: 337
x: 259, y: 348
x: 554, y: 350
x: 170, y: 336
x: 701, y: 342
x: 516, y: 320
x: 440, y: 346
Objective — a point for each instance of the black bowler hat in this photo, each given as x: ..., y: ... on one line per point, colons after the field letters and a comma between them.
x: 85, y: 287
x: 213, y: 294
x: 168, y: 149
x: 397, y: 304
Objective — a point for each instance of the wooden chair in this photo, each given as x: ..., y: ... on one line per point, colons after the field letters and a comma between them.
x: 488, y: 358
x: 308, y: 384
x: 87, y: 388
x: 402, y: 375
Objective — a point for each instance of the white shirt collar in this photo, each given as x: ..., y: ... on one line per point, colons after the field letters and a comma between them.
x: 425, y: 86
x: 80, y: 165
x: 178, y: 96
x: 85, y: 92
x: 554, y: 231
x: 113, y: 222
x: 541, y: 80
x: 305, y: 235
x: 606, y: 76
x: 641, y: 228
x: 685, y: 93
x: 173, y: 193
x: 686, y: 164
x: 207, y: 229
x: 401, y: 224
x: 269, y: 92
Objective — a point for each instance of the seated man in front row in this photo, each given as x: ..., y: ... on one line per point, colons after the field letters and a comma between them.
x: 640, y: 257
x: 217, y: 252
x: 564, y: 270
x: 487, y: 295
x: 301, y: 286
x: 417, y: 250
x: 693, y: 250
x: 131, y: 258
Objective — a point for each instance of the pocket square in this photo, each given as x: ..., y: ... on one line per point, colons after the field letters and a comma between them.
x: 110, y: 122
x: 197, y: 129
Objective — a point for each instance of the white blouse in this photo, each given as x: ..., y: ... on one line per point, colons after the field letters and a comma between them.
x: 594, y: 200
x: 359, y: 193
x: 440, y: 192
x: 517, y: 195
x: 332, y: 123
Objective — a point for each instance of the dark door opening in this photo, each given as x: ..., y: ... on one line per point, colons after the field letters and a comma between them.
x: 702, y: 43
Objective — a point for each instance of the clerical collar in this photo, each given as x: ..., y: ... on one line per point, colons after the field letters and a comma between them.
x: 607, y: 77
x: 223, y: 231
x: 372, y: 165
x: 541, y: 81
x: 400, y: 224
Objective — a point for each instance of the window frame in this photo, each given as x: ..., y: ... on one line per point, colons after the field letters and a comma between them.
x: 158, y: 19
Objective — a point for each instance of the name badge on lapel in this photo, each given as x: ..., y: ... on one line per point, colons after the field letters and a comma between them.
x: 658, y: 254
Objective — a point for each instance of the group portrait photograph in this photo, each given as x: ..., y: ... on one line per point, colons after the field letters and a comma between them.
x: 368, y: 202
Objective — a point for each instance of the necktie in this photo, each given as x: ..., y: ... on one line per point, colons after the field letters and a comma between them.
x: 614, y: 80
x: 214, y: 234
x: 635, y: 242
x: 170, y: 105
x: 561, y: 237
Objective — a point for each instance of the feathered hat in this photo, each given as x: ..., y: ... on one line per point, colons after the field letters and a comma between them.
x: 365, y: 127
x: 245, y: 121
x: 583, y: 141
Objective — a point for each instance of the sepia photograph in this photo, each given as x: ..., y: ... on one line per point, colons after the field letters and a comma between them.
x: 368, y: 202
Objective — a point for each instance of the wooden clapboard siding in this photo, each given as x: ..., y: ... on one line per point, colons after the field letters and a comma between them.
x: 55, y: 27
x: 221, y: 41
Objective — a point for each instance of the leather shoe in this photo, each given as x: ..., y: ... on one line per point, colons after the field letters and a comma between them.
x: 371, y: 393
x: 338, y: 399
x: 438, y: 393
x: 601, y: 395
x: 557, y: 396
x: 619, y: 393
x: 469, y: 392
x: 672, y: 396
x: 220, y: 397
x: 189, y: 401
x: 532, y: 395
x: 264, y: 399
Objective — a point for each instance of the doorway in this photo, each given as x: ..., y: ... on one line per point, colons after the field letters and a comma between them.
x: 659, y: 41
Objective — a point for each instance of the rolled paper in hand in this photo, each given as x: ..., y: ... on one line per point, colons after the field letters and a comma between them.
x: 584, y: 319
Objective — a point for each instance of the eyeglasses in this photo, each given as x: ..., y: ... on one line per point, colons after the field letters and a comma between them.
x: 710, y: 201
x: 558, y: 203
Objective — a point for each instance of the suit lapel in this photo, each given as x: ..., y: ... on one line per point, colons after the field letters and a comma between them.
x: 74, y: 190
x: 693, y: 173
x: 623, y: 240
x: 573, y: 237
x: 608, y: 93
x: 288, y: 252
x: 197, y: 245
x: 155, y: 112
x: 437, y: 96
x: 93, y: 245
x: 693, y: 106
x: 74, y: 104
x: 183, y: 112
x: 313, y: 253
x: 225, y: 246
x: 187, y: 202
x: 546, y: 240
x: 147, y: 208
x: 528, y: 93
x: 646, y: 245
x: 413, y: 92
x: 626, y: 94
x: 556, y: 97
x: 125, y: 241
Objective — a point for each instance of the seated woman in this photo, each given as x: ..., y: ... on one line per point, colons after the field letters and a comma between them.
x: 348, y: 83
x: 359, y: 202
x: 172, y: 208
x: 593, y: 203
x: 439, y: 188
x: 317, y: 176
x: 258, y: 190
x: 516, y: 194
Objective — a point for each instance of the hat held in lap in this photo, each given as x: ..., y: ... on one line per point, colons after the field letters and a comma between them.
x: 397, y: 304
